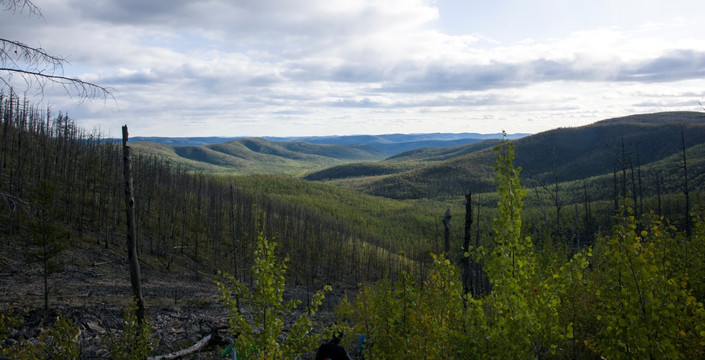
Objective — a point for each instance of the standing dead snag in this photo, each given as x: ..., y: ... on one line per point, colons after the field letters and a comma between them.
x: 466, y: 260
x: 685, y: 186
x: 446, y: 224
x: 131, y: 229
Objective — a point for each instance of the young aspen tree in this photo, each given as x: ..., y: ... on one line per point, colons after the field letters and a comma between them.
x: 260, y: 337
x: 645, y: 309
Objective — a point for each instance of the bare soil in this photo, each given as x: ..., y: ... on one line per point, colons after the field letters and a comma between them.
x: 92, y: 287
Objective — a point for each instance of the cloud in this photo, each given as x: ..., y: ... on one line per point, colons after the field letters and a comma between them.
x: 673, y: 66
x: 442, y: 77
x: 330, y: 65
x: 262, y: 20
x: 133, y: 77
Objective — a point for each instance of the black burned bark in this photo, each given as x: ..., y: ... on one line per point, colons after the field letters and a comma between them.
x: 131, y: 228
x: 466, y: 260
x: 685, y: 186
x: 446, y: 235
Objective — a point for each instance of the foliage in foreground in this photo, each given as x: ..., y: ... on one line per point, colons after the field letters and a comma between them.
x: 59, y: 340
x: 135, y: 342
x: 644, y: 307
x: 262, y: 336
x: 634, y: 301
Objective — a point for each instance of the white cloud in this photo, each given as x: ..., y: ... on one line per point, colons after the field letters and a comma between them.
x: 266, y: 67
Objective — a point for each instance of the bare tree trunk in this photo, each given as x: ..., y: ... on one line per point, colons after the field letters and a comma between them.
x: 640, y: 189
x: 657, y: 180
x: 466, y: 260
x: 45, y: 263
x: 477, y: 269
x: 234, y: 232
x: 685, y: 185
x: 624, y: 172
x: 541, y: 206
x: 615, y: 194
x: 588, y: 215
x: 131, y: 228
x: 446, y: 224
x: 556, y: 196
x: 634, y: 192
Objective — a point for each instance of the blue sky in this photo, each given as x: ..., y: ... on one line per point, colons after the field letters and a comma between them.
x: 335, y: 67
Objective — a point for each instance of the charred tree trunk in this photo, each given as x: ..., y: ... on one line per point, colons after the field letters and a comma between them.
x: 466, y: 260
x: 635, y: 199
x: 131, y: 228
x: 639, y: 187
x: 615, y: 194
x: 588, y: 214
x: 685, y: 186
x: 624, y: 172
x: 477, y: 269
x: 234, y: 233
x: 446, y: 235
x: 657, y: 180
x: 45, y: 264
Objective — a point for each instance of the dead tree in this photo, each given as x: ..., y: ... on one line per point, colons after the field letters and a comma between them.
x: 555, y: 193
x: 37, y: 68
x: 624, y: 161
x: 131, y: 228
x: 615, y: 194
x: 466, y: 260
x: 588, y: 213
x: 685, y: 185
x: 446, y: 224
x: 658, y: 181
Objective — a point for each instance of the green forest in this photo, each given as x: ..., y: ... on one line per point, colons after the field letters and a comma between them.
x: 575, y: 243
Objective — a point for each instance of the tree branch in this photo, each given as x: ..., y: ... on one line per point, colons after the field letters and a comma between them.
x: 84, y: 89
x: 188, y: 351
x: 13, y: 203
x: 16, y: 6
x: 37, y: 68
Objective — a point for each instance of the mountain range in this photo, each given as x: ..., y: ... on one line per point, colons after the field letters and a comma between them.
x: 651, y: 143
x: 431, y: 165
x: 294, y: 155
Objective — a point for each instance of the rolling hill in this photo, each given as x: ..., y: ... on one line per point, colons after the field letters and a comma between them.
x: 559, y: 155
x: 406, y: 161
x: 389, y: 144
x: 300, y: 155
x: 392, y: 144
x: 257, y: 155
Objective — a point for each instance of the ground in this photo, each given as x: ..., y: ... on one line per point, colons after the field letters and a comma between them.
x: 92, y: 288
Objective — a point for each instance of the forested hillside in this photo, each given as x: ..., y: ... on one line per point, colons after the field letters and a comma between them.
x: 257, y: 155
x: 631, y: 144
x: 607, y: 233
x: 389, y: 144
x: 299, y: 156
x: 53, y: 168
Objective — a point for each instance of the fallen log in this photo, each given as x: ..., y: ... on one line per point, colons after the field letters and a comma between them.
x: 188, y: 351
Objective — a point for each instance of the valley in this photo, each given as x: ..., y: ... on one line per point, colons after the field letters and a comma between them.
x: 345, y: 212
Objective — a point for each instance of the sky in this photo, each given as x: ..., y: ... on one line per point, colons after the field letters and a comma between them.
x: 183, y: 68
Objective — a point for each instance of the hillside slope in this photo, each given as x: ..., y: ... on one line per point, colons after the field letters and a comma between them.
x: 257, y: 155
x: 445, y: 153
x: 563, y: 154
x: 405, y: 161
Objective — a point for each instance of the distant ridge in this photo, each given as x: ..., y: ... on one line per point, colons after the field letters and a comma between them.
x: 258, y: 155
x: 389, y: 144
x: 179, y: 141
x: 650, y: 141
x: 394, y: 138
